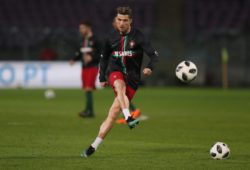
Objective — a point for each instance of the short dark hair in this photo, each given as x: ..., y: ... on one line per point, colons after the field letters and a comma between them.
x: 86, y: 23
x: 124, y: 10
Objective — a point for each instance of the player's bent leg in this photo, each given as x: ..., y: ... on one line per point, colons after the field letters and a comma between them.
x: 120, y: 88
x: 108, y: 123
x: 104, y: 129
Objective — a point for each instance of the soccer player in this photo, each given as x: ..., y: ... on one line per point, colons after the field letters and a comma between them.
x: 135, y: 112
x: 122, y: 59
x: 89, y: 54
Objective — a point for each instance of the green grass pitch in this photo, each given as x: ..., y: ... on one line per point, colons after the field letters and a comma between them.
x: 183, y: 123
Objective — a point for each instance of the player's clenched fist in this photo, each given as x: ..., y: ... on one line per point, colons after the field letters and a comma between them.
x: 147, y: 71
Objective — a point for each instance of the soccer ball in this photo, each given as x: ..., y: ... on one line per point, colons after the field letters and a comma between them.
x: 49, y: 94
x: 219, y: 151
x: 186, y: 71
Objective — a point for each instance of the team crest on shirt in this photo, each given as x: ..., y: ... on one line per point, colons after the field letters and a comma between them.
x: 132, y: 44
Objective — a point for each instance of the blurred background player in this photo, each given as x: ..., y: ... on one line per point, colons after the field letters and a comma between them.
x: 122, y: 57
x: 89, y: 54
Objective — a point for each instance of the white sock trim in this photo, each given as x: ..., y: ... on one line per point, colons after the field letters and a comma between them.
x: 97, y: 142
x: 126, y: 113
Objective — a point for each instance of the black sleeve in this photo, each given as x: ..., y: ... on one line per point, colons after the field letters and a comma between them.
x: 150, y: 51
x: 77, y: 56
x: 97, y: 51
x: 105, y: 54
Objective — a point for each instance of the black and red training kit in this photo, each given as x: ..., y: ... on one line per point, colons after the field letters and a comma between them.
x: 92, y: 46
x: 124, y: 53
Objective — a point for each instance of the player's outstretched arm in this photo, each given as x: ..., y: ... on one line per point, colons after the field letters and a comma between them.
x: 151, y: 53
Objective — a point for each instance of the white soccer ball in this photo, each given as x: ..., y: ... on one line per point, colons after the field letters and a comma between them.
x: 186, y: 71
x: 219, y: 151
x: 49, y: 94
